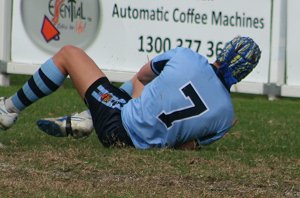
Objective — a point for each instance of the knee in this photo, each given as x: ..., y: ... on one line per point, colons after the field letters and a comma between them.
x: 65, y: 54
x: 68, y: 51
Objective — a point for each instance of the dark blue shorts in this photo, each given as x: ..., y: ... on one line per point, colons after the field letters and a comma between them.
x: 105, y: 102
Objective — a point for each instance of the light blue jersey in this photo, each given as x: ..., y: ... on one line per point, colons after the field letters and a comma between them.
x: 185, y: 101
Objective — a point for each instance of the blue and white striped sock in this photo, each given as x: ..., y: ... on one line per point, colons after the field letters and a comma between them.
x: 43, y: 82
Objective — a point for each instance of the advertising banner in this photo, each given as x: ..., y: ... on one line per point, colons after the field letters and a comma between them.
x: 122, y: 35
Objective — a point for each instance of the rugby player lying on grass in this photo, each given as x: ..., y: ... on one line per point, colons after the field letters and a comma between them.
x: 178, y: 98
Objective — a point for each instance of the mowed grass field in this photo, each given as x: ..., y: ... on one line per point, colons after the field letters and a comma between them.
x: 260, y: 157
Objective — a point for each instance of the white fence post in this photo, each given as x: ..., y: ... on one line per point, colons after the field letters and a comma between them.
x: 5, y: 39
x: 292, y: 85
x: 278, y: 49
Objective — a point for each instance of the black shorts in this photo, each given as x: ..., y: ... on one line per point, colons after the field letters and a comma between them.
x: 105, y: 102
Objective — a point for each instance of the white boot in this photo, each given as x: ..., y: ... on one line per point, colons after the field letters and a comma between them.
x: 6, y: 119
x: 78, y: 125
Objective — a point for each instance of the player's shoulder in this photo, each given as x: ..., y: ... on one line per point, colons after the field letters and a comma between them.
x: 183, y: 53
x: 189, y: 51
x: 184, y: 49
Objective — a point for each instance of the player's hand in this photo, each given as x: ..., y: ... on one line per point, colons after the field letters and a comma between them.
x: 191, y: 145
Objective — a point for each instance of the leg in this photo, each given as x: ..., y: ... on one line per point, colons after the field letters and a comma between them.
x: 82, y: 70
x: 67, y: 61
x: 50, y: 76
x: 80, y: 125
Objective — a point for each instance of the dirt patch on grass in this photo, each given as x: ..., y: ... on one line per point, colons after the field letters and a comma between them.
x: 127, y: 173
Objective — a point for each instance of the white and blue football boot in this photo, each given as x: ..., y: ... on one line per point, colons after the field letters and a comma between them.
x: 78, y: 125
x: 6, y: 119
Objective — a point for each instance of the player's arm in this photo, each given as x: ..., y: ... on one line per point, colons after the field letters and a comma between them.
x: 154, y: 67
x: 146, y: 74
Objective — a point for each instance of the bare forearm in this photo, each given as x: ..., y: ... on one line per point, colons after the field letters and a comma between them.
x: 146, y: 75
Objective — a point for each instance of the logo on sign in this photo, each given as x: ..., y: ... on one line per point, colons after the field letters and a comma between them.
x: 49, y: 31
x: 52, y: 24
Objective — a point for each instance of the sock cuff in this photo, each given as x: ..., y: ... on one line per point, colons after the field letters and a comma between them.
x: 128, y: 87
x: 53, y: 73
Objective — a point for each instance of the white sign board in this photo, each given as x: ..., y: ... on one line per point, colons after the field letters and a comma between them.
x: 293, y: 41
x: 125, y: 34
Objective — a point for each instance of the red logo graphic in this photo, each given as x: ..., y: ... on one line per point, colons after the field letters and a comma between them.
x: 49, y: 31
x: 106, y: 97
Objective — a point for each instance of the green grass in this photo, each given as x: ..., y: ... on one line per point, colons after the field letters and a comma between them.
x: 260, y: 157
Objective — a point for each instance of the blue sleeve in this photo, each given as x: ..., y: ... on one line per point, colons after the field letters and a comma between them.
x: 158, y: 63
